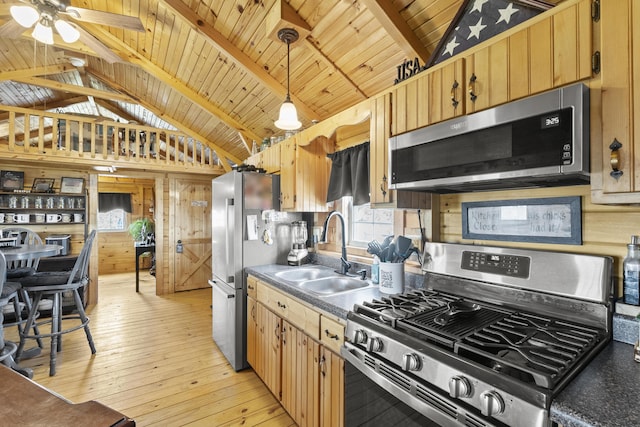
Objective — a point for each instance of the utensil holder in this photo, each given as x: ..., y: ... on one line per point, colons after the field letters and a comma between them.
x: 391, y: 277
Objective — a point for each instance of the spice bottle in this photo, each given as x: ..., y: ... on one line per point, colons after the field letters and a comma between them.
x: 631, y: 272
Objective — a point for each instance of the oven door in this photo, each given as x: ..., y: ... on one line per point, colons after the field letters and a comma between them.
x: 377, y: 393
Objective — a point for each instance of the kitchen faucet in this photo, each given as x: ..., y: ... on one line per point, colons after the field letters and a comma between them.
x: 323, y: 239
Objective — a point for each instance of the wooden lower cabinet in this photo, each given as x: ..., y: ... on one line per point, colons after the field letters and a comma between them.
x: 331, y: 388
x: 303, y: 373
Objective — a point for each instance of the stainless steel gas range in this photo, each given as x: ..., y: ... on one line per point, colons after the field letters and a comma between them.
x: 491, y: 340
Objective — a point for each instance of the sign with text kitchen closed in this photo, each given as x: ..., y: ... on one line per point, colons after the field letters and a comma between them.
x: 548, y: 220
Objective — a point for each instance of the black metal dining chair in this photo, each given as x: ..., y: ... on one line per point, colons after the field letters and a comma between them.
x: 55, y: 284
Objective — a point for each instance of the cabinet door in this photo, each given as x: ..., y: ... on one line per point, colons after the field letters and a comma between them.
x: 444, y: 94
x: 252, y: 332
x: 270, y: 346
x: 331, y: 389
x: 300, y: 376
x: 378, y: 149
x: 486, y: 77
x: 620, y: 93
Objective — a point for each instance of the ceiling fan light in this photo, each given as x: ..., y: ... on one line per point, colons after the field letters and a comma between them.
x: 288, y: 119
x: 68, y: 33
x: 24, y: 15
x: 43, y: 33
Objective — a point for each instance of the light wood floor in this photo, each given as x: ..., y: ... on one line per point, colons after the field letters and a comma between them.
x: 156, y: 362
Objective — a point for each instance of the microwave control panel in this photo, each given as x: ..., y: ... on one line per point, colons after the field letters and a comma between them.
x: 503, y: 264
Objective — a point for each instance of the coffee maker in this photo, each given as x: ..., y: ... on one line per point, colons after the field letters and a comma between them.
x: 298, y: 254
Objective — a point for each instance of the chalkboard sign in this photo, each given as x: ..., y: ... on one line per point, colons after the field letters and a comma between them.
x: 550, y: 220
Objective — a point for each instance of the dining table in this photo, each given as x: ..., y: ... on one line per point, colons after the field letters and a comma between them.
x: 19, y: 253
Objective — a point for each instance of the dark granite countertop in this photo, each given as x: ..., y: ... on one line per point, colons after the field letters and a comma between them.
x: 605, y: 393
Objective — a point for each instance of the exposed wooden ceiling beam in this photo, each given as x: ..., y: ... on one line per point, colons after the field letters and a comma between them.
x: 35, y: 71
x: 387, y: 15
x: 175, y: 123
x: 60, y: 103
x: 218, y: 41
x: 64, y: 87
x: 245, y: 143
x: 135, y: 58
x: 115, y: 109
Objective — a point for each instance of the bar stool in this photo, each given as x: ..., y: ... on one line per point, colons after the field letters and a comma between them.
x: 54, y: 284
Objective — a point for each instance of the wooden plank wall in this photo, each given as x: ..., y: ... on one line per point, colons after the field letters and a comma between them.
x: 116, y: 250
x: 606, y: 229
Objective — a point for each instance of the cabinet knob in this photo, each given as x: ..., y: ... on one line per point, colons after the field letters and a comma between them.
x: 615, y: 147
x: 454, y: 101
x: 472, y: 88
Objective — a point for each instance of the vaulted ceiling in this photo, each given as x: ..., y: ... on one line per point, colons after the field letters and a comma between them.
x: 209, y: 66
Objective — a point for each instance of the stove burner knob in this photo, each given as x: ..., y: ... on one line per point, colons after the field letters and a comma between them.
x: 492, y: 404
x: 459, y: 387
x: 360, y: 337
x: 411, y: 362
x: 375, y: 344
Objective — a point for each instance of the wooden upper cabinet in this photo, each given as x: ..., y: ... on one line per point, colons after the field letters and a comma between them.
x: 269, y: 159
x: 550, y: 53
x: 620, y: 105
x: 304, y: 176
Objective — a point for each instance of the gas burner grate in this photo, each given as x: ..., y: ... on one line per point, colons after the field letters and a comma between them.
x: 530, y: 347
x: 459, y: 325
x: 391, y: 308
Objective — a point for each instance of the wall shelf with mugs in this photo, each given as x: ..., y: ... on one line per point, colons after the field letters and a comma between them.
x: 22, y: 209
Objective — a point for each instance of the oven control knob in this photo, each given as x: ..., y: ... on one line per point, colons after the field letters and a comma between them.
x: 492, y: 404
x: 375, y: 344
x: 411, y: 362
x: 459, y: 387
x: 360, y: 337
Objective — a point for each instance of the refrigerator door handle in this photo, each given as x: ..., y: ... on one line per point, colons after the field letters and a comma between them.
x: 228, y: 204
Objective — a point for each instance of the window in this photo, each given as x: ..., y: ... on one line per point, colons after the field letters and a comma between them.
x: 368, y: 224
x: 114, y: 220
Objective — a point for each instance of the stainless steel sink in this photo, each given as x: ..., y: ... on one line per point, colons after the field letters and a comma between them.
x: 333, y: 285
x: 305, y: 273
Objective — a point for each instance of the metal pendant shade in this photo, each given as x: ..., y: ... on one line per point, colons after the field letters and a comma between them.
x: 288, y: 118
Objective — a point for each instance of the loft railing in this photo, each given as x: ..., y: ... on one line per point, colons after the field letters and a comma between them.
x: 34, y: 133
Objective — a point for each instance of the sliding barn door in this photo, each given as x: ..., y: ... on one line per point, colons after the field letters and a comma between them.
x: 191, y: 224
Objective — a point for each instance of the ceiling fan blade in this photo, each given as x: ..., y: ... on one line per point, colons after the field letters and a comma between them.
x: 94, y: 44
x: 104, y: 18
x: 11, y: 30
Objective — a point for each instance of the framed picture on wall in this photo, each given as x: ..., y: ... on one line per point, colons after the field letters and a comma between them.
x: 11, y: 180
x: 72, y: 185
x: 42, y: 185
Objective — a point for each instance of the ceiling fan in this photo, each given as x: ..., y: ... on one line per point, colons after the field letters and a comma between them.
x: 44, y: 15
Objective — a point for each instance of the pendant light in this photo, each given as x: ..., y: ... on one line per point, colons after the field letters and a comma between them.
x: 288, y: 119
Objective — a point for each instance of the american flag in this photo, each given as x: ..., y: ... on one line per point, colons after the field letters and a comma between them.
x: 480, y: 20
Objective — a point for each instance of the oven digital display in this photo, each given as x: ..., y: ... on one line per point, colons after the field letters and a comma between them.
x: 505, y: 265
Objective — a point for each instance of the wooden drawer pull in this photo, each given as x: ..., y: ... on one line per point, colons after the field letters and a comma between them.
x: 332, y: 336
x: 472, y: 82
x: 454, y: 101
x: 282, y: 306
x: 250, y: 287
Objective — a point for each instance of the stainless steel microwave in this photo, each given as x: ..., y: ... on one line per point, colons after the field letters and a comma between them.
x: 539, y: 141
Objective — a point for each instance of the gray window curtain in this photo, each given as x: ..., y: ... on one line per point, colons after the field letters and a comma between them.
x: 111, y: 201
x: 350, y: 174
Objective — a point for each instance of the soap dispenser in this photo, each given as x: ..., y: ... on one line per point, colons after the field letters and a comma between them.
x: 631, y: 272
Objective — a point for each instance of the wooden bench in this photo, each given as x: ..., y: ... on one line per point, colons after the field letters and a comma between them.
x: 26, y: 403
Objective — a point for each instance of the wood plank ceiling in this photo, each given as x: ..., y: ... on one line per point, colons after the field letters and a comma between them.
x: 209, y: 67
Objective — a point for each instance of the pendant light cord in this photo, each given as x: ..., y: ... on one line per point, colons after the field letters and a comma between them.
x: 288, y: 69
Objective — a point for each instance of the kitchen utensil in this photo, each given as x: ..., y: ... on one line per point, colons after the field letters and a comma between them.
x: 402, y: 245
x: 374, y: 248
x: 456, y: 308
x: 387, y: 240
x: 391, y: 254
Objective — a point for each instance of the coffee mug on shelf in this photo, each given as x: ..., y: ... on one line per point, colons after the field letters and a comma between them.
x: 77, y: 217
x: 9, y: 217
x: 40, y: 217
x: 66, y: 217
x: 54, y: 217
x: 1, y: 217
x: 21, y: 218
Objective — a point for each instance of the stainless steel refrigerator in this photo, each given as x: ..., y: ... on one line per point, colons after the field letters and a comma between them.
x: 246, y: 231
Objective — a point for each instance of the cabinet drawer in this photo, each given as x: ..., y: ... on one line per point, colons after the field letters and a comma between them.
x: 331, y: 334
x: 273, y: 300
x: 304, y: 318
x: 252, y: 287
